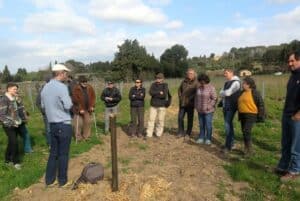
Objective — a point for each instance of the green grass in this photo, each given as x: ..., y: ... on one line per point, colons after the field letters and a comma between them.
x: 256, y: 170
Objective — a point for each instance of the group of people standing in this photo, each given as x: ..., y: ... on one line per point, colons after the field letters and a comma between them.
x: 64, y: 108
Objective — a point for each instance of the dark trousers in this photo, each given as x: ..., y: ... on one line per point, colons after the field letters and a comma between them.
x: 229, y: 130
x: 190, y: 118
x: 11, y: 154
x: 61, y: 135
x: 247, y: 122
x: 137, y: 121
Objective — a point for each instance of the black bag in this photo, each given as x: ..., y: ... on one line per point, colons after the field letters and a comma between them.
x: 91, y: 173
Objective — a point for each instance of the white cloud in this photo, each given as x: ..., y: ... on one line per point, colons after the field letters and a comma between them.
x: 290, y: 18
x: 58, y: 22
x: 159, y: 2
x: 175, y: 24
x: 53, y: 4
x: 6, y: 20
x: 282, y: 1
x: 130, y: 11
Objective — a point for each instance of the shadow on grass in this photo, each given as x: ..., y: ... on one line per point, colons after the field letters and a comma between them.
x: 263, y: 145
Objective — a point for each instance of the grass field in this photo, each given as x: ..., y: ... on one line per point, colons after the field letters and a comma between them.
x: 256, y: 170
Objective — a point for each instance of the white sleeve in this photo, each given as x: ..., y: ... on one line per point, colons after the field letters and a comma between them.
x: 233, y: 88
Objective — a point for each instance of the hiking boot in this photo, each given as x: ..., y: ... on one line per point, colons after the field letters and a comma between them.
x: 290, y: 177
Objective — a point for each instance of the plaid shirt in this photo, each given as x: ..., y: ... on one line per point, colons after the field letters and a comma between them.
x: 205, y: 99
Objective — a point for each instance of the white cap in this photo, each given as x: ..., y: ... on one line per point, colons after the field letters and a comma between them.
x: 60, y: 67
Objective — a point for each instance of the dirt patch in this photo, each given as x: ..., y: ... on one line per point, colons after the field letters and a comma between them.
x: 161, y: 169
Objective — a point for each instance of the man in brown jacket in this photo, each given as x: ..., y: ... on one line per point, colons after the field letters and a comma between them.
x: 186, y: 95
x: 83, y: 96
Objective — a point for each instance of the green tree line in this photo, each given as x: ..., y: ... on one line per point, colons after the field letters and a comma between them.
x: 132, y: 61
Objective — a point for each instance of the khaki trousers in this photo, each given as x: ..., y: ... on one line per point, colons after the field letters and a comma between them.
x: 156, y: 121
x: 82, y: 125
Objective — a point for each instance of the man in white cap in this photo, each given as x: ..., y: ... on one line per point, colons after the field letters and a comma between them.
x: 56, y: 102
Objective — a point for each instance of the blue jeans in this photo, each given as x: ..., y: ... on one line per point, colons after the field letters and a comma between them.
x: 229, y: 130
x: 190, y: 116
x: 26, y: 138
x: 61, y: 135
x: 290, y: 145
x: 205, y: 125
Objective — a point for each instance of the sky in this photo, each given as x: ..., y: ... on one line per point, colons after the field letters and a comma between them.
x: 34, y: 33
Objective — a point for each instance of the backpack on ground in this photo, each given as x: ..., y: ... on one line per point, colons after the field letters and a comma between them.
x: 91, y: 173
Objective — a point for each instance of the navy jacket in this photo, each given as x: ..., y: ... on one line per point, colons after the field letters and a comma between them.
x: 292, y: 99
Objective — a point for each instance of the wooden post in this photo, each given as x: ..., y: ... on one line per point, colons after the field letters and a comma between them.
x: 114, y: 157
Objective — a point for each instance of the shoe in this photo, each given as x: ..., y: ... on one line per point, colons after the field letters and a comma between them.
x: 52, y: 185
x: 279, y: 171
x: 17, y: 166
x: 29, y: 152
x: 65, y: 185
x: 179, y: 135
x: 200, y: 141
x: 225, y: 150
x: 207, y: 142
x: 290, y: 177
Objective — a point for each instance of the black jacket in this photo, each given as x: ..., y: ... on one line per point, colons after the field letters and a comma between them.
x: 113, y: 93
x: 137, y: 96
x: 158, y: 99
x: 292, y: 99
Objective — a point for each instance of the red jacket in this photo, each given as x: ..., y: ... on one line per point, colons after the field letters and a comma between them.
x: 78, y: 98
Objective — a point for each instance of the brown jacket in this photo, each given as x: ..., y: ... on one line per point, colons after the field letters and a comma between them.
x: 78, y: 98
x: 187, y: 92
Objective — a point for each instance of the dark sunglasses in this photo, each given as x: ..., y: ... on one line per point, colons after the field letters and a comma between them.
x: 137, y: 81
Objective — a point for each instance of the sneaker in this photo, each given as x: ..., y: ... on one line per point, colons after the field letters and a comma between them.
x: 17, y: 166
x: 200, y: 141
x: 207, y: 142
x: 290, y: 177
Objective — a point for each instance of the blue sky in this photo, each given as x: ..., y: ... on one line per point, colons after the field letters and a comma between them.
x: 36, y: 32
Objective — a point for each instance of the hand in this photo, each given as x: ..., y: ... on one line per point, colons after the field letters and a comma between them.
x: 161, y: 92
x: 91, y: 109
x: 142, y: 94
x: 296, y: 117
x: 81, y: 111
x: 133, y: 96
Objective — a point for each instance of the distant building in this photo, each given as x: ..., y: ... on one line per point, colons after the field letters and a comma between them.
x: 244, y: 73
